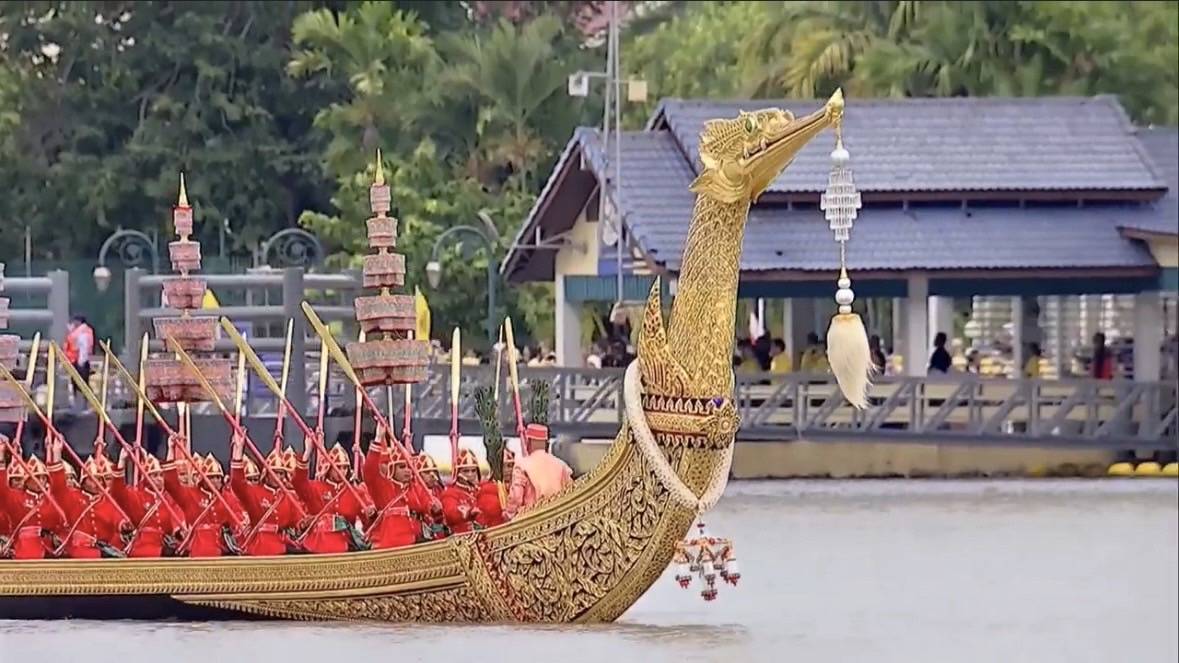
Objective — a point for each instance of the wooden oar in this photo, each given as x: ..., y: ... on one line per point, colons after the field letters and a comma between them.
x: 513, y: 374
x: 325, y: 337
x: 239, y: 394
x: 268, y: 380
x: 234, y: 422
x: 323, y: 383
x: 51, y: 431
x: 30, y: 373
x: 358, y: 422
x: 104, y: 420
x: 142, y: 381
x: 281, y: 420
x: 499, y: 352
x: 104, y: 383
x: 187, y: 453
x: 455, y: 362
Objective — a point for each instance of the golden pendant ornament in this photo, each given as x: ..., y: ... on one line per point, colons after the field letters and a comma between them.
x: 708, y: 558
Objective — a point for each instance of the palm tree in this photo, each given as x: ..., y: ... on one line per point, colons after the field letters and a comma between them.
x: 808, y: 47
x: 513, y: 79
x: 384, y: 54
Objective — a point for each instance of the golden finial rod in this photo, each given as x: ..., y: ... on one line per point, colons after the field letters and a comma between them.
x: 379, y: 179
x: 182, y: 201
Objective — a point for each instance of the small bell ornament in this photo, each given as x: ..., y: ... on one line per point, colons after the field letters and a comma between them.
x: 683, y: 572
x: 848, y: 352
x: 732, y: 572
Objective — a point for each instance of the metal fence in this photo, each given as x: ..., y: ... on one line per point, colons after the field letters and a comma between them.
x: 587, y: 403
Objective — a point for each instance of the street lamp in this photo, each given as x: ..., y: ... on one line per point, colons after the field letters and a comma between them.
x: 133, y: 249
x: 487, y: 236
x: 433, y: 273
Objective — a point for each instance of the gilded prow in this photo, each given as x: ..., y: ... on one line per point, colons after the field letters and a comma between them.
x: 740, y: 158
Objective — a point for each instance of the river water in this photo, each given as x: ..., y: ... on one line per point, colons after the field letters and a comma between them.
x: 986, y: 571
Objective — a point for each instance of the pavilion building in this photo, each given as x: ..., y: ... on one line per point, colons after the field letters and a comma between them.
x: 1004, y: 220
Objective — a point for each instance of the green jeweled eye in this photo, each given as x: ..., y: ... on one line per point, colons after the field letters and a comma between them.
x: 750, y: 124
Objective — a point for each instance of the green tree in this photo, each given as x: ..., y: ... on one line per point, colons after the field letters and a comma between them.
x: 693, y: 54
x: 115, y: 98
x: 977, y: 48
x: 382, y: 55
x: 512, y: 79
x: 430, y: 134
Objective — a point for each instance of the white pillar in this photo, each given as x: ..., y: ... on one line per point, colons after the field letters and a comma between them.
x: 1018, y: 351
x: 802, y: 323
x: 917, y: 326
x: 788, y: 327
x: 1060, y: 358
x: 1148, y: 337
x: 941, y: 316
x: 568, y: 328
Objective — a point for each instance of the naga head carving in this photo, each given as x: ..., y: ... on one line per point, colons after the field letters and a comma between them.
x: 743, y: 155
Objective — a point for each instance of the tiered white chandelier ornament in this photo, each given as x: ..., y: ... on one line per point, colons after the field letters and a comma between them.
x: 848, y: 353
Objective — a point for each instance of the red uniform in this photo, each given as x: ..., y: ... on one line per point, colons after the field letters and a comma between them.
x: 93, y: 518
x: 28, y: 514
x: 459, y: 507
x: 326, y: 500
x: 204, y: 515
x: 401, y: 506
x: 151, y: 514
x: 491, y: 509
x: 271, y: 511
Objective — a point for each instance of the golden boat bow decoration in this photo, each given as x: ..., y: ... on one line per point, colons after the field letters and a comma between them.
x: 583, y: 555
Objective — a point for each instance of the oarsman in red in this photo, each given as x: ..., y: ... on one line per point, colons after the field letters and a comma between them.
x: 333, y: 508
x: 492, y: 494
x: 268, y: 501
x: 402, y: 504
x: 459, y: 507
x: 202, y: 510
x: 29, y: 511
x: 96, y: 522
x: 435, y: 525
x: 150, y: 507
x: 216, y: 475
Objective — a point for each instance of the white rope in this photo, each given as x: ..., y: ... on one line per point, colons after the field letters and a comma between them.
x: 632, y: 389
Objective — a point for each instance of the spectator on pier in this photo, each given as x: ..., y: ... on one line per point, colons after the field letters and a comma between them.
x: 1102, y: 366
x: 79, y: 345
x: 1031, y: 369
x: 878, y: 359
x: 780, y: 362
x: 940, y: 361
x: 814, y: 357
x: 749, y: 363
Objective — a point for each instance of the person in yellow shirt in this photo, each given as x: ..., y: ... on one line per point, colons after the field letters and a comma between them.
x: 781, y: 361
x: 814, y: 358
x: 748, y: 362
x: 1031, y: 369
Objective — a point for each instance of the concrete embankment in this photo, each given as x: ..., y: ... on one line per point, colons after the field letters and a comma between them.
x: 850, y: 459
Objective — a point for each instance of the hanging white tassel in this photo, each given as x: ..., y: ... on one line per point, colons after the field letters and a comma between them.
x: 848, y: 352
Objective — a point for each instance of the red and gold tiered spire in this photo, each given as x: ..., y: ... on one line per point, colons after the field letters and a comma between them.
x: 168, y: 380
x: 389, y: 354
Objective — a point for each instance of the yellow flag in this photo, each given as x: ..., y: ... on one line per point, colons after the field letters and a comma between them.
x: 210, y: 300
x: 422, y: 309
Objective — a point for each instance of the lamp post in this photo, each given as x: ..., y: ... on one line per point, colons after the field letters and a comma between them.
x: 636, y: 91
x: 488, y: 237
x: 134, y: 249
